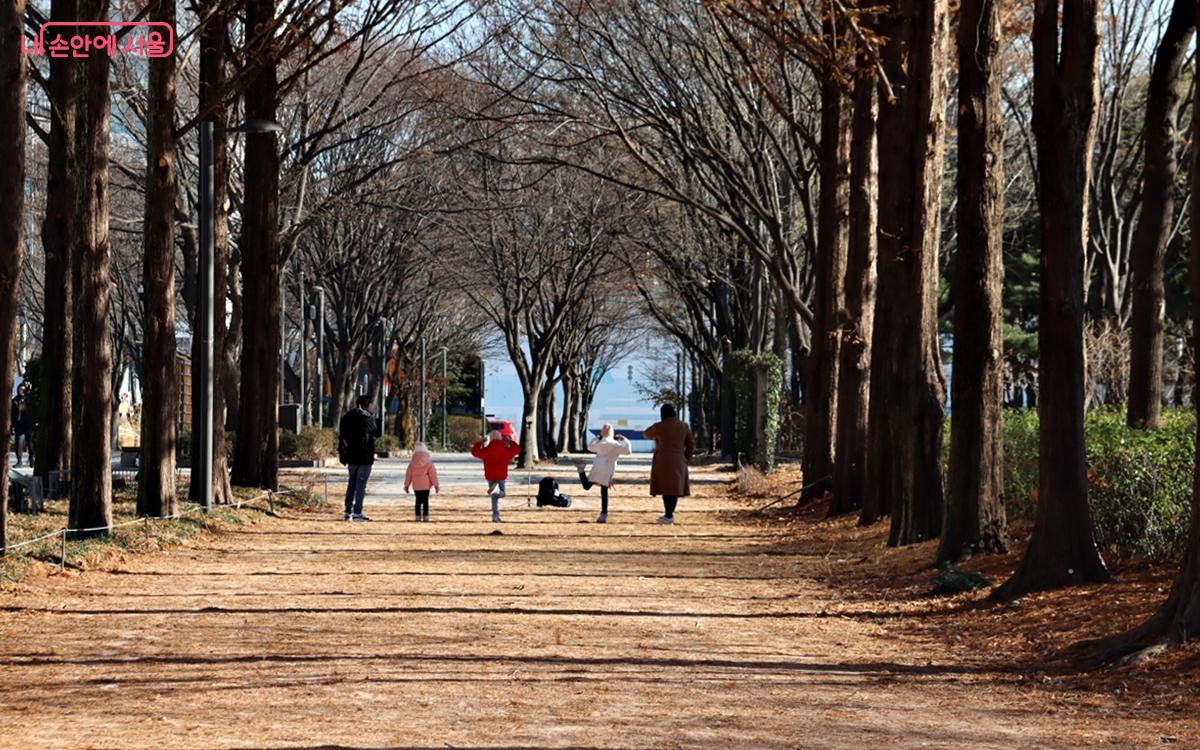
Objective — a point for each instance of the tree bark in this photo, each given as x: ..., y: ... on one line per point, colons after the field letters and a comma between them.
x: 213, y: 40
x: 58, y: 233
x: 820, y: 398
x: 12, y: 213
x: 160, y: 398
x: 256, y: 459
x: 91, y: 472
x: 974, y: 519
x: 1062, y: 550
x: 904, y: 476
x: 857, y: 317
x: 1177, y: 621
x: 1159, y: 170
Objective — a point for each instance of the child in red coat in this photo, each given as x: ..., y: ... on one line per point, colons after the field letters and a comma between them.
x: 496, y: 452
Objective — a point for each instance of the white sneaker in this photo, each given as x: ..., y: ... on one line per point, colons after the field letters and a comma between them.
x: 665, y: 520
x: 493, y: 489
x: 602, y: 518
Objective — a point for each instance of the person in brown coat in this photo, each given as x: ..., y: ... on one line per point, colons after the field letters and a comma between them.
x: 673, y: 448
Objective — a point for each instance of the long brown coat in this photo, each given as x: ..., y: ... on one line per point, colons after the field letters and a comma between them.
x: 673, y: 448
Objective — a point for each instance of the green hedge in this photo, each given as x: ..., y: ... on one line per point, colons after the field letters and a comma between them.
x: 1139, y: 482
x: 312, y: 443
x: 756, y: 442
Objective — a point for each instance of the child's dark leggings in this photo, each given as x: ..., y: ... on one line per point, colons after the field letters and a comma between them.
x: 422, y: 501
x: 669, y: 505
x: 588, y: 484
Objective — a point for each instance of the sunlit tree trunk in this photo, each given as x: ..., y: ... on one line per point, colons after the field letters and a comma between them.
x: 904, y: 473
x: 256, y: 457
x: 156, y: 478
x: 974, y: 518
x: 91, y: 471
x: 1062, y: 550
x: 820, y: 397
x: 858, y: 318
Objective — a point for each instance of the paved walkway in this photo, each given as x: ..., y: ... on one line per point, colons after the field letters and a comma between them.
x: 311, y: 632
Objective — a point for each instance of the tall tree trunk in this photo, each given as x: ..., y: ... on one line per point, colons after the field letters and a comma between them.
x: 567, y: 423
x: 527, y: 430
x: 820, y: 398
x: 58, y: 235
x: 974, y: 518
x: 858, y: 319
x: 904, y: 473
x: 256, y: 459
x: 549, y: 415
x: 156, y: 479
x: 1062, y: 550
x: 91, y: 472
x: 1178, y: 619
x: 1159, y: 170
x: 12, y: 213
x: 212, y: 80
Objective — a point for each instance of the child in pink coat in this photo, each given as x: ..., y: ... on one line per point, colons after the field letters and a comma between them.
x: 421, y: 476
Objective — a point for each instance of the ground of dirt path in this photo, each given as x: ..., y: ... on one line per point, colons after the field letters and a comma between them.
x: 307, y: 632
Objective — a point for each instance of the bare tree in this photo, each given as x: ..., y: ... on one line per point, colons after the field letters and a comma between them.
x: 1160, y: 165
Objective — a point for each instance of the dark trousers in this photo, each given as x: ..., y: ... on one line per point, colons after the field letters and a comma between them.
x: 669, y: 505
x: 422, y: 502
x: 588, y: 484
x: 356, y: 487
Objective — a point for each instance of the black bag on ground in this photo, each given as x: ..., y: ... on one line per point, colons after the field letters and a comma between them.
x: 548, y: 494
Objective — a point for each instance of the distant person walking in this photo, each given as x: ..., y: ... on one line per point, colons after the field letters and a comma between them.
x: 421, y: 476
x: 21, y: 425
x: 608, y: 448
x: 673, y: 448
x: 496, y: 451
x: 356, y: 449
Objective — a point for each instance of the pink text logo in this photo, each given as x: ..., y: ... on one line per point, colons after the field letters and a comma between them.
x: 82, y: 38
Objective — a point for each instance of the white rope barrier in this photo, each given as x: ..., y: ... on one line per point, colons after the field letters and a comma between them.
x: 145, y: 520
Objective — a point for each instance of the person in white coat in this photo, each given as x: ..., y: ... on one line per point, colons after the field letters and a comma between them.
x: 607, y: 449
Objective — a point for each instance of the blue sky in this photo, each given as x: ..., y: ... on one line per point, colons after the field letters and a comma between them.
x: 617, y: 398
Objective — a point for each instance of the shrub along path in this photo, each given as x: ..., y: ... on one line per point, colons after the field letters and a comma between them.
x: 307, y: 632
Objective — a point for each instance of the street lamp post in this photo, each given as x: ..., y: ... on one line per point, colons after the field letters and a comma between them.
x: 385, y: 329
x: 203, y: 447
x: 320, y: 323
x: 424, y: 410
x: 302, y: 358
x: 445, y: 390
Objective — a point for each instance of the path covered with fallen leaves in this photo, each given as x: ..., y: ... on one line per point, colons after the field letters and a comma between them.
x: 307, y: 632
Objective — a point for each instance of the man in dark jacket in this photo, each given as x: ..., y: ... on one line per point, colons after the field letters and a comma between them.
x: 20, y: 425
x: 356, y: 449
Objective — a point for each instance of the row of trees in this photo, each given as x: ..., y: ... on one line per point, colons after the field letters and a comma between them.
x: 809, y: 141
x: 547, y: 179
